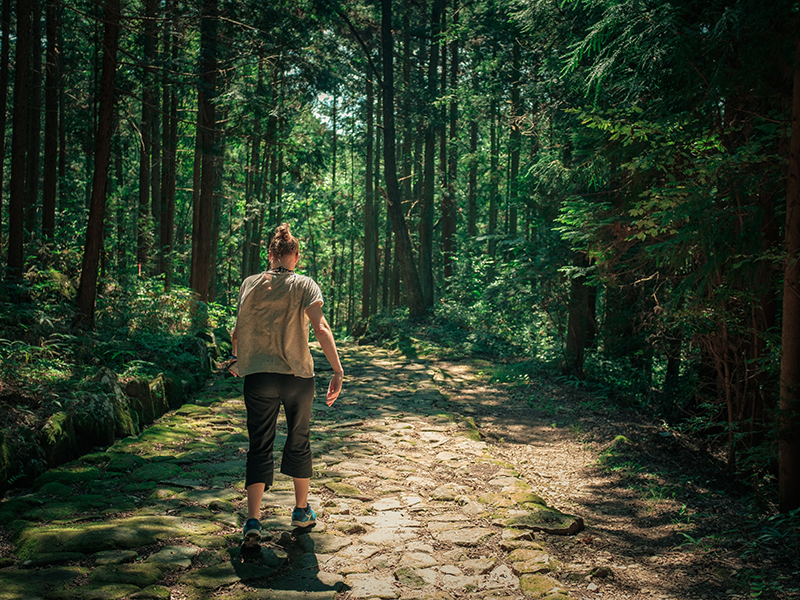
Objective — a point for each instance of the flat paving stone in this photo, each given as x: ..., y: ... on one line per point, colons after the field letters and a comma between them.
x: 372, y: 586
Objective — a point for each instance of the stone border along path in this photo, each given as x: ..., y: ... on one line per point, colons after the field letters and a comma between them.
x: 411, y: 504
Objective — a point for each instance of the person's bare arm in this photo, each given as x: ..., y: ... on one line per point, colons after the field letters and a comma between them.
x: 325, y: 338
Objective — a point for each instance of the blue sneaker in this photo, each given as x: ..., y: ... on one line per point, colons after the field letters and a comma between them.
x: 251, y: 534
x: 303, y: 517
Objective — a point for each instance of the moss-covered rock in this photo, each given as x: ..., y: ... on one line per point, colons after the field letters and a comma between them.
x: 58, y: 439
x: 16, y: 584
x: 140, y: 575
x: 99, y: 591
x: 94, y: 423
x: 125, y: 463
x: 7, y: 462
x: 56, y: 489
x: 539, y: 586
x: 112, y: 534
x: 155, y: 472
x: 68, y: 475
x: 152, y: 592
x: 548, y: 520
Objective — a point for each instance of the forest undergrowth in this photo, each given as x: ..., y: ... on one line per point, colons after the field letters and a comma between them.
x: 49, y: 364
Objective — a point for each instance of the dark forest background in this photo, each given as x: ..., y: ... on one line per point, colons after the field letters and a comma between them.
x: 605, y: 192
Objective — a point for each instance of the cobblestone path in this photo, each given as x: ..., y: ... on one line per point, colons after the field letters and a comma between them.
x: 412, y: 504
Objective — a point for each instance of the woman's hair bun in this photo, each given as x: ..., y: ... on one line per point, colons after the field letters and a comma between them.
x: 283, y: 242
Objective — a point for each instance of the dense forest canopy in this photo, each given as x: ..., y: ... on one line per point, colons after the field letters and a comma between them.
x: 609, y: 187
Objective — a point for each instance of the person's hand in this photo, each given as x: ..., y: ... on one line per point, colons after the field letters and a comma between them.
x: 334, y: 388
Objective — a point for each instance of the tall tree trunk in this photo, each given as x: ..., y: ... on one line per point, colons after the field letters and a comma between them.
x: 146, y: 128
x: 576, y: 323
x: 50, y: 176
x: 16, y: 199
x: 449, y: 198
x: 408, y: 269
x: 34, y: 122
x: 169, y: 109
x: 426, y: 216
x: 5, y: 22
x: 367, y: 291
x: 170, y: 188
x: 253, y: 190
x: 472, y: 193
x: 789, y: 419
x: 62, y: 111
x: 87, y: 288
x: 516, y: 139
x: 201, y: 236
x: 219, y: 164
x: 159, y: 125
x: 494, y: 178
x: 376, y: 213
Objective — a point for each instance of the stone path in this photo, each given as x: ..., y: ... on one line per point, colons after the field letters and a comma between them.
x: 412, y: 504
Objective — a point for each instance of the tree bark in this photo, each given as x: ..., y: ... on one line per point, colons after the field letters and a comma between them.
x: 170, y: 167
x: 429, y: 169
x: 16, y: 205
x: 34, y: 122
x: 158, y: 126
x: 146, y: 129
x: 5, y: 22
x: 472, y: 193
x: 367, y: 291
x: 577, y: 322
x: 376, y: 212
x: 408, y: 269
x: 449, y: 198
x: 516, y: 139
x: 87, y: 288
x: 201, y: 237
x: 494, y: 178
x: 789, y: 414
x: 50, y: 175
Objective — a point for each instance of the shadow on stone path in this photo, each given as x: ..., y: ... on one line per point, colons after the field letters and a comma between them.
x: 412, y: 504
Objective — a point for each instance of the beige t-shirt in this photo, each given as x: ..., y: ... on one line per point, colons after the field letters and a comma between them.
x: 272, y: 325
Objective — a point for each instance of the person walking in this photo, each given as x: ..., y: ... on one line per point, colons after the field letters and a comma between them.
x: 270, y: 347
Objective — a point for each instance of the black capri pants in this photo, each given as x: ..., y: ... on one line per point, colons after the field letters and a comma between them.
x: 263, y: 395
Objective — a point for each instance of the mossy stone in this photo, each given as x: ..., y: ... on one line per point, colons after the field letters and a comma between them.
x: 68, y: 475
x: 18, y: 583
x: 345, y: 490
x: 12, y: 509
x: 539, y: 586
x: 526, y: 497
x: 139, y: 486
x: 131, y: 532
x: 58, y: 438
x: 140, y: 575
x: 124, y: 463
x: 56, y: 489
x: 549, y: 520
x: 53, y: 558
x: 152, y: 592
x: 407, y: 576
x: 95, y: 458
x: 193, y: 410
x: 156, y: 472
x: 100, y: 591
